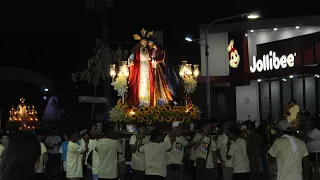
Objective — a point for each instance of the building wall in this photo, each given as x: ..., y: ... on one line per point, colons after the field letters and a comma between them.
x: 265, y: 36
x: 218, y: 55
x: 255, y: 38
x: 247, y: 101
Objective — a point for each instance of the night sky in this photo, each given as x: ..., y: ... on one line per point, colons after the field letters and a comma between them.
x: 55, y: 38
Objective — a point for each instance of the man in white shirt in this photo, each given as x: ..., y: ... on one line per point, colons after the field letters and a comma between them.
x: 74, y: 157
x: 237, y: 151
x: 53, y: 143
x: 155, y: 155
x: 206, y: 157
x: 92, y: 158
x: 41, y: 164
x: 108, y: 149
x: 174, y: 170
x: 290, y: 152
x: 137, y: 160
x: 227, y: 167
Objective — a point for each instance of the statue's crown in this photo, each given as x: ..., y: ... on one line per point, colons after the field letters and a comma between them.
x: 22, y: 100
x: 144, y: 34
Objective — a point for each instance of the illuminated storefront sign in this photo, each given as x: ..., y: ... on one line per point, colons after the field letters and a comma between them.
x: 234, y: 57
x: 272, y: 61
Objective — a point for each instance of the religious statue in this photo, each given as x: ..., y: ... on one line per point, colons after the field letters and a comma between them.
x: 141, y: 77
x: 23, y: 109
x: 162, y: 94
x: 52, y: 112
x: 152, y: 81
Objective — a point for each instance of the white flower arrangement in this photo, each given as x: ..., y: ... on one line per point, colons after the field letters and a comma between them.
x: 120, y: 85
x: 117, y: 114
x: 189, y: 84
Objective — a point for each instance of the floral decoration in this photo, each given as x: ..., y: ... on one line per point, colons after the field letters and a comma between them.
x: 154, y: 115
x: 117, y: 114
x: 120, y: 85
x: 189, y: 84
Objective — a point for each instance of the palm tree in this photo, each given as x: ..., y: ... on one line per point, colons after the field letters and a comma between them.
x: 97, y: 69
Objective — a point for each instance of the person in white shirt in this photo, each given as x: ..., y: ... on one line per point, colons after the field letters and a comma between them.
x: 137, y: 160
x: 1, y: 151
x: 290, y: 152
x: 227, y: 166
x: 175, y: 171
x: 99, y: 127
x: 53, y: 143
x: 108, y: 149
x: 155, y: 155
x: 74, y: 157
x: 237, y: 151
x: 42, y: 162
x: 92, y: 158
x: 192, y: 159
x: 313, y: 146
x: 5, y: 140
x: 292, y: 114
x: 3, y: 145
x: 122, y: 159
x: 206, y: 156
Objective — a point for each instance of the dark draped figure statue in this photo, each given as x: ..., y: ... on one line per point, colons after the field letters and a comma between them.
x: 167, y: 85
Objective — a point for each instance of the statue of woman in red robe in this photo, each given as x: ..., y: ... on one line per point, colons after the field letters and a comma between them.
x: 141, y: 77
x: 162, y: 93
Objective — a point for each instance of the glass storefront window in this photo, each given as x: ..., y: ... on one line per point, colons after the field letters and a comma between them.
x: 264, y: 100
x: 298, y: 91
x: 310, y: 90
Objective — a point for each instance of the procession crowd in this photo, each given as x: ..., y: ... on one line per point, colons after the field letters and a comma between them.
x: 234, y: 151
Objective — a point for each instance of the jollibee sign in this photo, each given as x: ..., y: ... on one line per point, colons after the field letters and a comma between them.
x: 272, y: 61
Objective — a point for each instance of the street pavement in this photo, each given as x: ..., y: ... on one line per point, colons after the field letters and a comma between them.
x: 263, y: 176
x: 253, y: 176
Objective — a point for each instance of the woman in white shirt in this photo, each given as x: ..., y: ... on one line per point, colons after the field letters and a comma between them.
x: 155, y: 156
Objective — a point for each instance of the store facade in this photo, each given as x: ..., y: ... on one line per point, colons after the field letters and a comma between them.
x: 278, y: 61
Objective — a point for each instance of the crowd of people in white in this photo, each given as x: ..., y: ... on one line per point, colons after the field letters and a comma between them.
x: 232, y: 153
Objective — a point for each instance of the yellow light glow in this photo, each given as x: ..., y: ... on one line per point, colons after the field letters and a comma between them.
x: 196, y: 73
x: 181, y: 73
x: 132, y: 113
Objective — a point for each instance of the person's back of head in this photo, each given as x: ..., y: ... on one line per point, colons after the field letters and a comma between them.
x: 108, y: 131
x: 234, y: 132
x: 20, y: 157
x: 155, y: 135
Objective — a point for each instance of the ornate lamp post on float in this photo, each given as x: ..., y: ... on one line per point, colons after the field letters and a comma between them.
x: 189, y: 77
x: 206, y: 45
x: 120, y: 78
